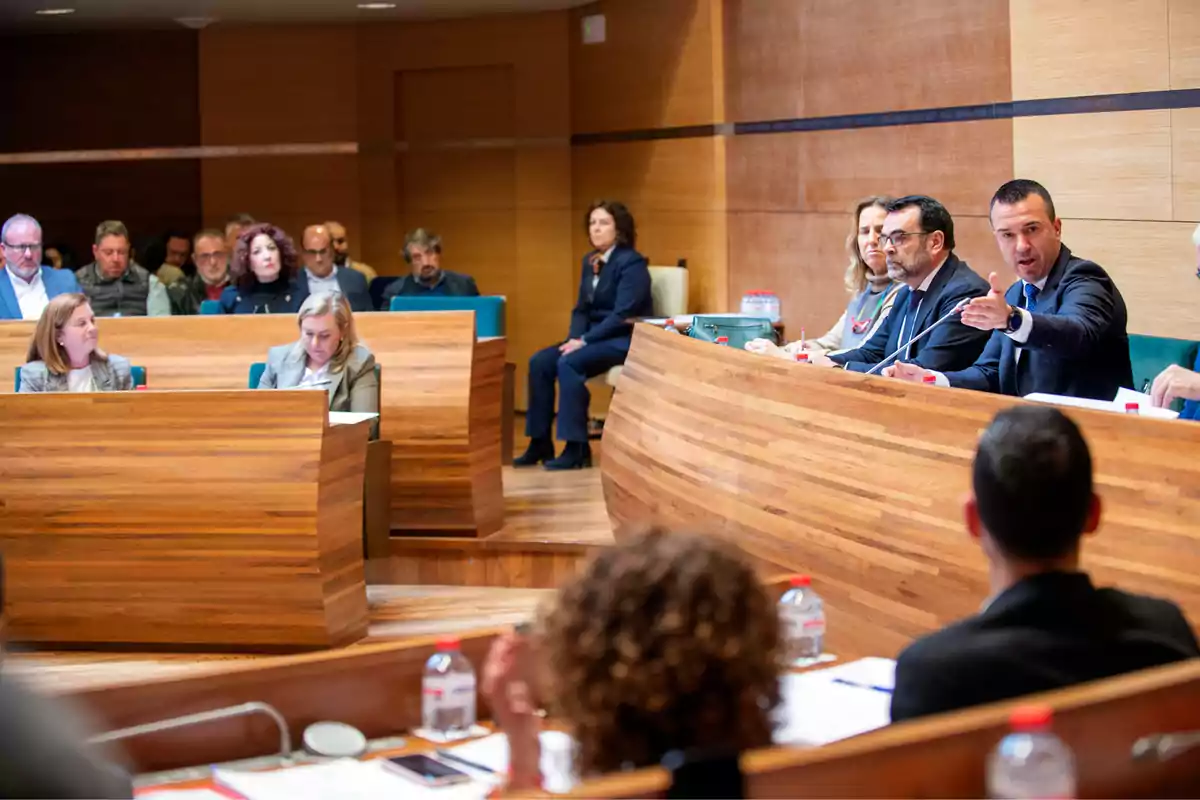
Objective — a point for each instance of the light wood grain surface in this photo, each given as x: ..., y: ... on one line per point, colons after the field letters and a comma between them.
x: 858, y: 481
x: 221, y: 518
x: 440, y: 395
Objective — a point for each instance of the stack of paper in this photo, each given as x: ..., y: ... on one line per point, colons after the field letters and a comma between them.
x: 825, y: 705
x: 1117, y: 404
x: 557, y: 759
x: 345, y: 779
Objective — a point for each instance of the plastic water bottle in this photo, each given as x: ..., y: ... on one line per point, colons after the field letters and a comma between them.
x: 1132, y: 408
x: 448, y: 691
x: 1031, y: 761
x: 802, y: 622
x: 723, y: 341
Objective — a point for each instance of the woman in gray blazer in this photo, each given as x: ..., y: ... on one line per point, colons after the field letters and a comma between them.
x: 327, y: 356
x: 64, y: 355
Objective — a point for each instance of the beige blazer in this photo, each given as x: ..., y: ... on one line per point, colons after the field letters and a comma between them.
x: 112, y: 375
x: 352, y: 388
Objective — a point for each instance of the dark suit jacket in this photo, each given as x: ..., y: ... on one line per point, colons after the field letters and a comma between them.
x: 951, y: 345
x: 1077, y: 346
x: 1045, y: 632
x: 622, y: 293
x: 452, y: 284
x: 352, y: 283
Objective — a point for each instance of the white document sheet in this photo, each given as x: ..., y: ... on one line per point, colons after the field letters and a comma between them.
x: 350, y: 417
x: 826, y: 705
x: 556, y: 763
x: 1116, y: 405
x: 344, y: 779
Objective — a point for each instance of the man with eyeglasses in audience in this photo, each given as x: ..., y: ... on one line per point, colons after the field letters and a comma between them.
x: 341, y: 252
x: 26, y: 287
x: 114, y: 284
x: 212, y: 274
x: 320, y: 274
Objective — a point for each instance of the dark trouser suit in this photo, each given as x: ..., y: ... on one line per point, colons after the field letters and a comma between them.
x: 571, y: 372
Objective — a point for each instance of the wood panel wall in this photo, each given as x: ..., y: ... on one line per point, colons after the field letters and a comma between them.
x: 115, y: 89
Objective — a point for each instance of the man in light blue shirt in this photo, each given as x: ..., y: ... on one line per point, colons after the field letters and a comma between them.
x: 26, y: 286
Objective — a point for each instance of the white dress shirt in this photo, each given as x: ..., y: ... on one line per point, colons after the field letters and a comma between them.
x: 31, y: 295
x: 315, y: 379
x: 327, y: 284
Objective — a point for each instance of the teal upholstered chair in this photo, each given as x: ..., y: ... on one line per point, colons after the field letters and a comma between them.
x: 211, y: 307
x: 256, y: 372
x: 489, y: 310
x: 137, y: 373
x: 1150, y: 355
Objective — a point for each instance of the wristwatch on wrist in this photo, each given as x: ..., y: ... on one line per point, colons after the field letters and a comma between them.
x: 1014, y: 320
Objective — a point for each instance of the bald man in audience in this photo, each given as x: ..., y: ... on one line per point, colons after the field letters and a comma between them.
x: 211, y: 277
x: 26, y: 287
x: 320, y: 274
x: 1060, y: 329
x: 341, y: 252
x: 1045, y: 624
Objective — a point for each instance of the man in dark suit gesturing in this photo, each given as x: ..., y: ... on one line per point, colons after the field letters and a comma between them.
x: 918, y: 240
x: 1059, y: 329
x: 1045, y: 626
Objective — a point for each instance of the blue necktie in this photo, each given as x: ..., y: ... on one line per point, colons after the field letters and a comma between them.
x: 1031, y: 293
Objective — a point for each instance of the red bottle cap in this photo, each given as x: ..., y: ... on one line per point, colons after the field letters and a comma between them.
x: 929, y: 379
x: 802, y: 356
x: 1031, y: 718
x: 448, y: 643
x: 141, y: 388
x: 722, y: 340
x: 800, y: 580
x: 1131, y: 407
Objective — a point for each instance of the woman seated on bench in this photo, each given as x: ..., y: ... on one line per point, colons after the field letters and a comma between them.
x: 327, y: 356
x: 64, y: 353
x: 665, y: 642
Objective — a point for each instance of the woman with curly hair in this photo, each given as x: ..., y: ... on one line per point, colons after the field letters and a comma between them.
x: 665, y: 642
x: 264, y: 261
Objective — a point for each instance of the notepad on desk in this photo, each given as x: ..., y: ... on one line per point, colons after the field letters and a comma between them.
x: 826, y: 705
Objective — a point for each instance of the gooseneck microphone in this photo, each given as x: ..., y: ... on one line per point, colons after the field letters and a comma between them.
x: 957, y: 308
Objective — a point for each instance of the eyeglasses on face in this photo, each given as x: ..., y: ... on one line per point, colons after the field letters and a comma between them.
x: 23, y: 248
x: 896, y: 238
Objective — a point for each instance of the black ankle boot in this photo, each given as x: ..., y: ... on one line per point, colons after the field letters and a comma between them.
x: 576, y: 455
x: 539, y: 450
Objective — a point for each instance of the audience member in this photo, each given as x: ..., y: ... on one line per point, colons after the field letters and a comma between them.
x: 327, y: 356
x: 263, y: 266
x: 42, y: 752
x: 26, y: 286
x: 1176, y: 382
x: 872, y: 290
x: 341, y: 252
x: 1045, y: 625
x: 64, y: 353
x: 1060, y: 329
x: 174, y: 264
x: 209, y: 280
x: 115, y: 285
x: 918, y: 240
x: 321, y: 275
x: 59, y: 256
x: 235, y: 226
x: 423, y: 252
x: 664, y: 642
x: 613, y: 288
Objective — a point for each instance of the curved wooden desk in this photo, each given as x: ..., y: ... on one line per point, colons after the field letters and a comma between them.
x: 857, y: 481
x: 441, y: 396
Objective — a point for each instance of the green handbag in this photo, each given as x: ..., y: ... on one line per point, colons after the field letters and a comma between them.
x: 738, y: 330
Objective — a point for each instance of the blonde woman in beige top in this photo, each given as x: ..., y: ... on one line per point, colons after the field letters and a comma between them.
x: 872, y: 291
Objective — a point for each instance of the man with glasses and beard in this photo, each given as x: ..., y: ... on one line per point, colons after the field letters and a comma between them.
x: 26, y: 286
x: 918, y: 241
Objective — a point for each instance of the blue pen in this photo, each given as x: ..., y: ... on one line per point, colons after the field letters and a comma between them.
x: 845, y: 682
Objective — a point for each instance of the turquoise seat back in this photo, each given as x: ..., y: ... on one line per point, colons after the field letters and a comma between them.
x: 256, y: 372
x: 489, y: 311
x: 1150, y: 355
x: 210, y: 307
x: 137, y: 373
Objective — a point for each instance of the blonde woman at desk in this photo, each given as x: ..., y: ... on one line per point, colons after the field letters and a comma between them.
x: 872, y: 292
x: 327, y: 356
x: 64, y: 353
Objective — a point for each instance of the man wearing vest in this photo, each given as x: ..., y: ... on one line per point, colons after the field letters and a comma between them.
x: 116, y: 286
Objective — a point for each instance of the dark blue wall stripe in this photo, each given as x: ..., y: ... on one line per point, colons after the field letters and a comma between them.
x: 1093, y: 104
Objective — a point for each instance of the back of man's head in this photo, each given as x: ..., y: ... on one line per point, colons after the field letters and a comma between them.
x: 1033, y: 483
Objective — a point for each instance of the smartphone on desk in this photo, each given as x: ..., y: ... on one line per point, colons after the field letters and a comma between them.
x: 426, y: 770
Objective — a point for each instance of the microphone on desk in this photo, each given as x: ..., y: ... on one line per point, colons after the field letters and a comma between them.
x: 957, y: 308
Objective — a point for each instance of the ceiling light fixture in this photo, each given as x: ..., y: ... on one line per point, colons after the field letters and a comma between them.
x: 376, y: 6
x: 54, y: 12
